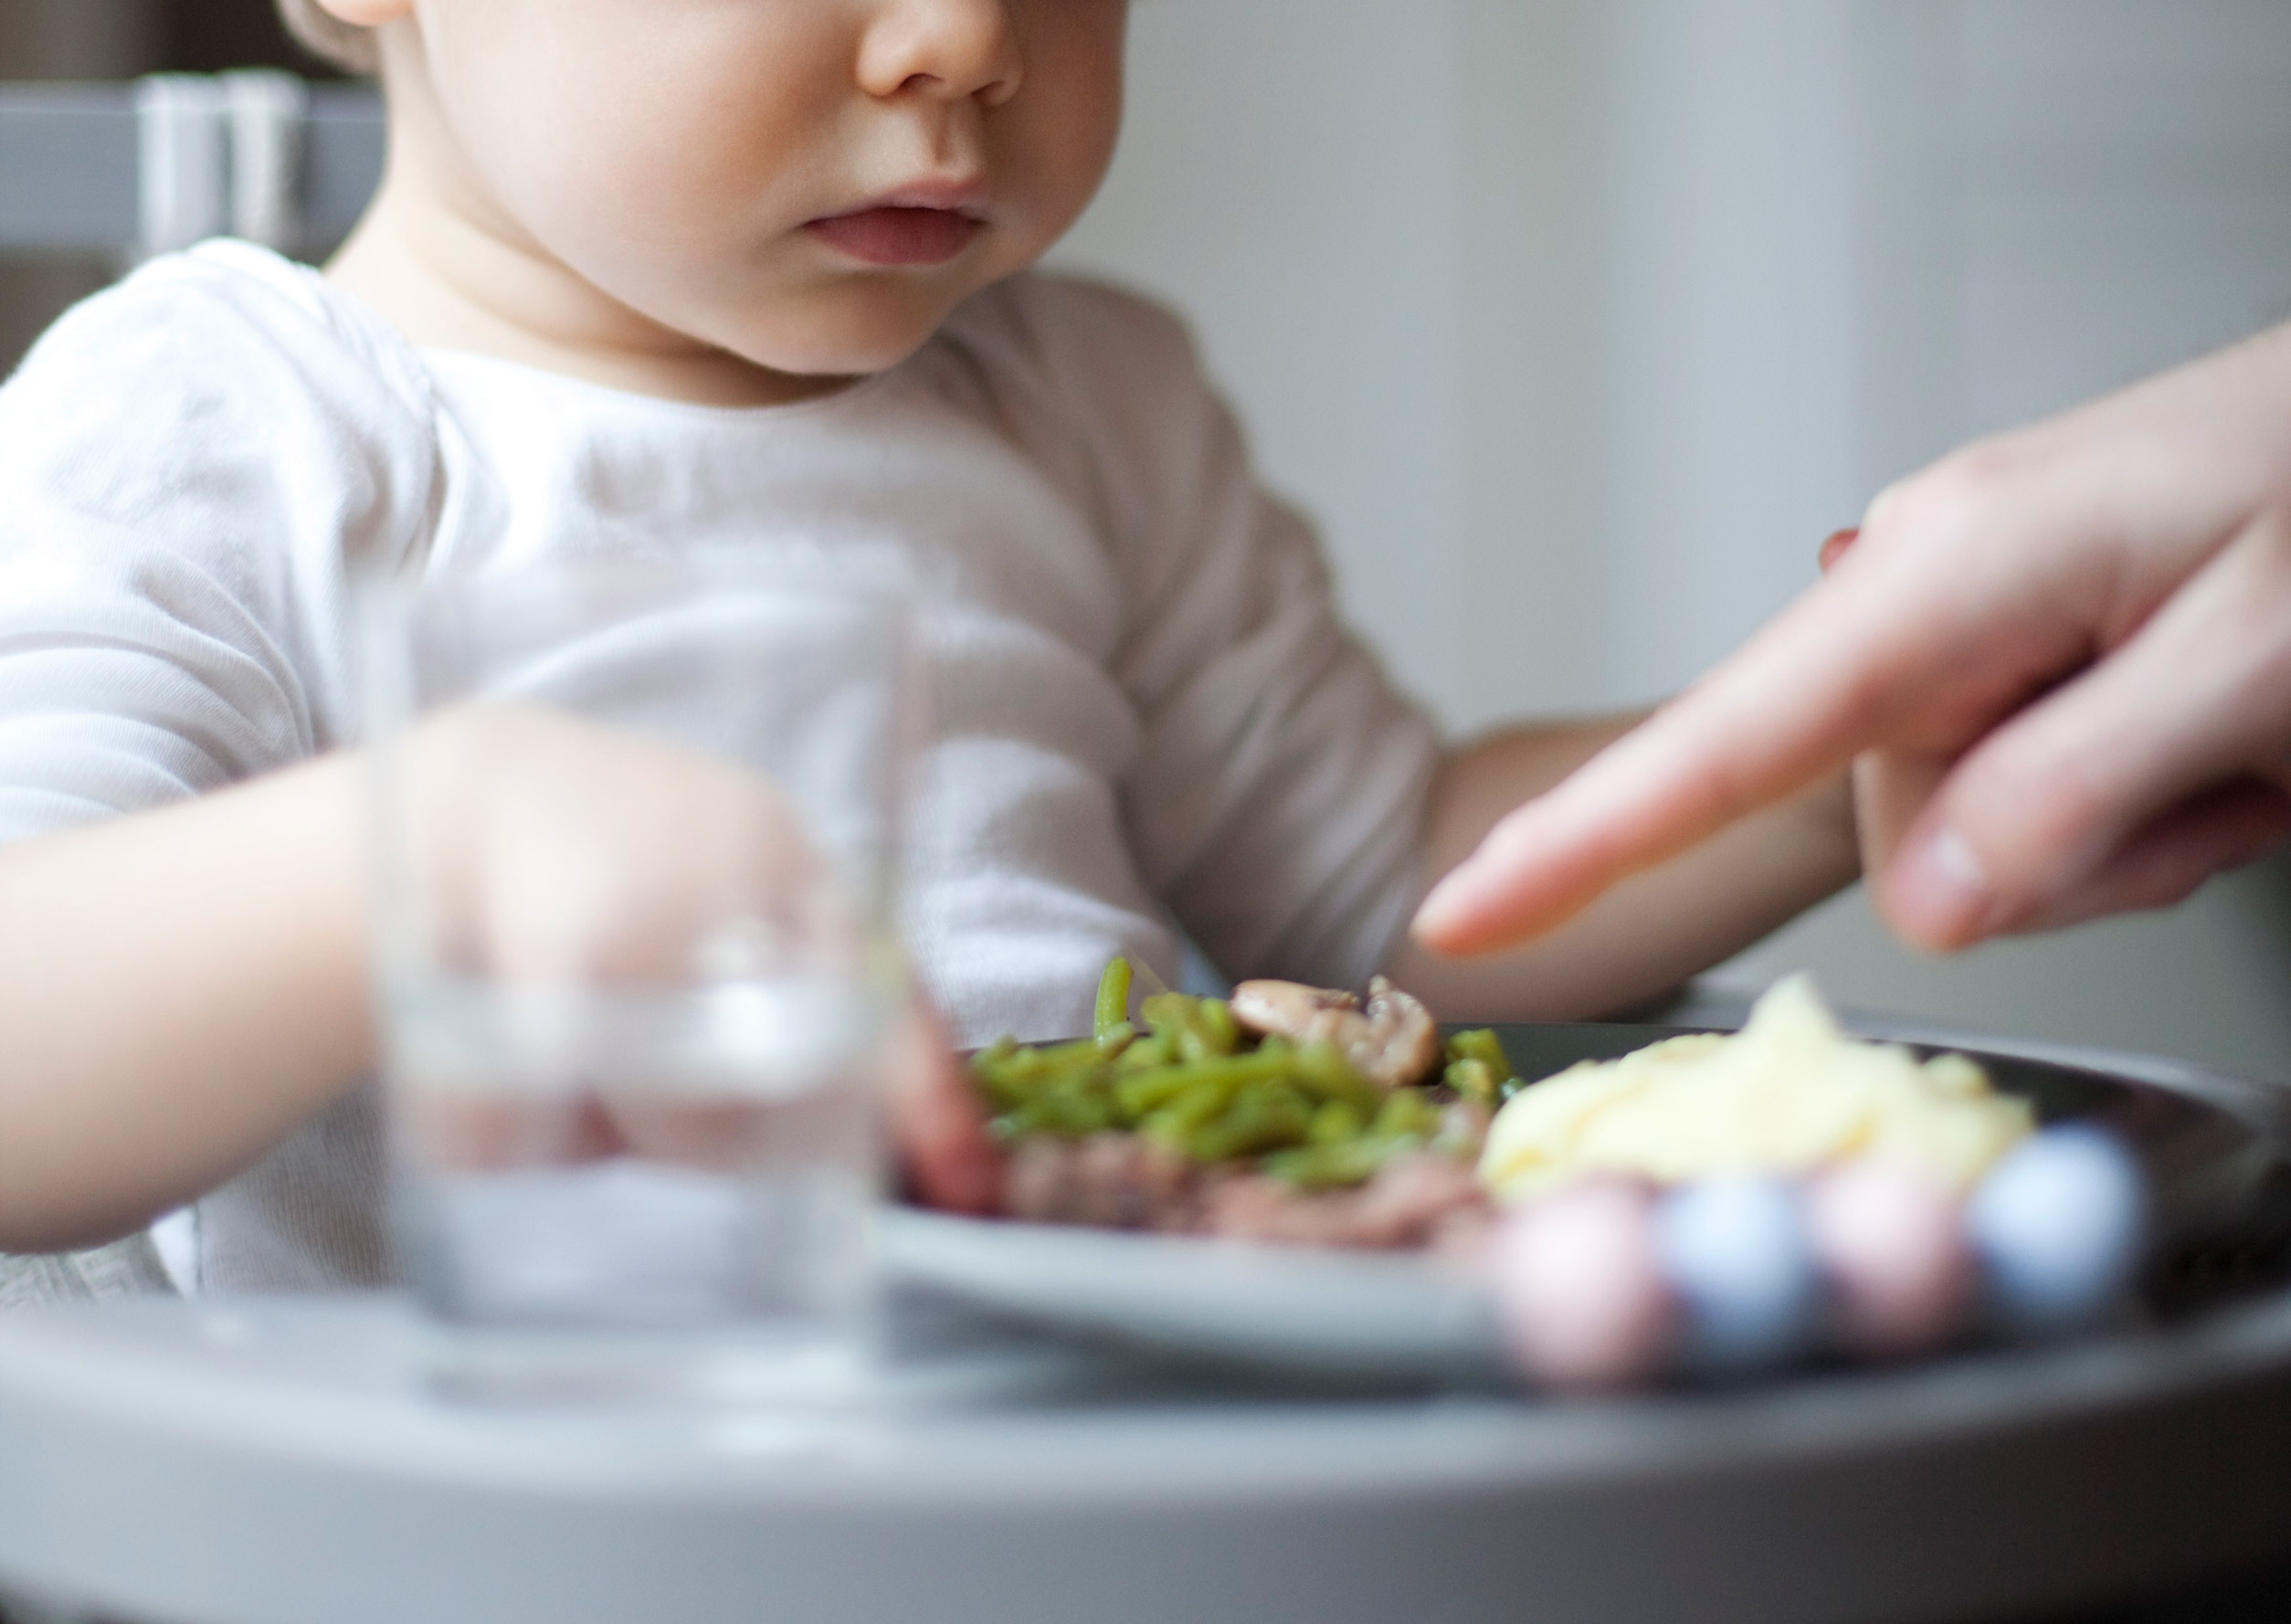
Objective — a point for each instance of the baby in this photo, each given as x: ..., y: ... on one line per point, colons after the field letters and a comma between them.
x: 650, y: 273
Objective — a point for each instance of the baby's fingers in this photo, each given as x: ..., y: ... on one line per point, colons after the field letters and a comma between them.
x: 936, y: 1124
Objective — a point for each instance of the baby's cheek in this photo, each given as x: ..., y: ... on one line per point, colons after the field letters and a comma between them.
x: 637, y: 199
x: 658, y: 130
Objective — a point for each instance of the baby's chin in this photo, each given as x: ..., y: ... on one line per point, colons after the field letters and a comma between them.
x: 840, y: 338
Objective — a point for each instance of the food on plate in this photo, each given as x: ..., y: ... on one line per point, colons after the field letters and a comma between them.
x: 1285, y: 1114
x: 1606, y: 1279
x: 2059, y: 1227
x: 1719, y: 1204
x: 1581, y: 1299
x: 1741, y: 1267
x: 1899, y: 1266
x: 1788, y: 1095
x: 1390, y: 1039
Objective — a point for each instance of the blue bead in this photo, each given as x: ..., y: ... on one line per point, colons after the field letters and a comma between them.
x: 2058, y: 1225
x: 1737, y: 1254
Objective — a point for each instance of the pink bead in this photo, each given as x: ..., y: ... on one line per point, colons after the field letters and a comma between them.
x: 1891, y: 1245
x: 1581, y: 1299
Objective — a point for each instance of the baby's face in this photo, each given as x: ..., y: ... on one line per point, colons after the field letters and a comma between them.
x: 809, y: 185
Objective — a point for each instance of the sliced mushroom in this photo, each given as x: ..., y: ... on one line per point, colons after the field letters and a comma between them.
x: 1291, y: 1009
x: 1391, y: 1041
x: 1405, y: 1038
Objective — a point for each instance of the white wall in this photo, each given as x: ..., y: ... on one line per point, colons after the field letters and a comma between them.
x: 1291, y: 176
x: 2060, y: 196
x: 1579, y: 322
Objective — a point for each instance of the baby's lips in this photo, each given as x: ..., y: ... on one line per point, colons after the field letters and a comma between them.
x: 1835, y: 548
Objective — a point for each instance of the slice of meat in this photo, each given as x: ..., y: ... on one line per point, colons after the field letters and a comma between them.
x: 1411, y: 1200
x: 1109, y: 1181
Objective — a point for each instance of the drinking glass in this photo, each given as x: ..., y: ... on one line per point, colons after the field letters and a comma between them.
x: 636, y: 825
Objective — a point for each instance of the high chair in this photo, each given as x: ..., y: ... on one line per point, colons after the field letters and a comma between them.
x: 146, y: 168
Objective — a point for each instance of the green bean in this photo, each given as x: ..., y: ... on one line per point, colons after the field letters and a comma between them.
x: 1194, y: 1033
x: 1478, y: 1069
x: 1330, y: 1166
x: 1146, y: 1092
x: 1070, y: 1105
x: 1176, y: 1123
x: 1113, y: 1023
x: 1203, y: 1029
x: 1264, y: 1116
x: 1060, y: 1057
x: 1183, y: 1072
x: 1405, y: 1114
x: 994, y: 1069
x: 1335, y: 1123
x: 1322, y: 1068
x: 1472, y: 1079
x: 1213, y: 1020
x: 1009, y: 1079
x: 1166, y: 1012
x: 1146, y: 1054
x: 1022, y: 1069
x: 1481, y: 1045
x: 1001, y: 1093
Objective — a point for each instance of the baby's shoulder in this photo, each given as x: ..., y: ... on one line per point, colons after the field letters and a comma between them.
x: 225, y: 332
x: 224, y: 403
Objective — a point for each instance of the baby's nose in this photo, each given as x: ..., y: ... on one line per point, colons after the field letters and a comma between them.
x: 949, y: 49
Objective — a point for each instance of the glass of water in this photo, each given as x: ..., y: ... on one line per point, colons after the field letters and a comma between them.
x: 637, y: 823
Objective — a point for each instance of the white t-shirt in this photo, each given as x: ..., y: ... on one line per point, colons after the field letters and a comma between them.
x: 1144, y: 710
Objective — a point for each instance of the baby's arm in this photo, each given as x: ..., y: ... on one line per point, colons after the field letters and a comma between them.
x: 181, y: 988
x: 178, y: 990
x: 1649, y: 933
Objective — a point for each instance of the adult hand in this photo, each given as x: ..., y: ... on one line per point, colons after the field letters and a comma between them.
x: 2060, y: 660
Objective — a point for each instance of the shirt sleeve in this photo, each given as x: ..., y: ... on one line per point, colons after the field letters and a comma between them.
x: 189, y: 465
x: 1278, y: 798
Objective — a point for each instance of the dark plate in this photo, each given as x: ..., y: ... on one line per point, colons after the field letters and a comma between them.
x: 2213, y: 1147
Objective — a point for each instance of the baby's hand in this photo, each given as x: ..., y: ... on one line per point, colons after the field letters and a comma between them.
x: 547, y: 853
x: 543, y: 849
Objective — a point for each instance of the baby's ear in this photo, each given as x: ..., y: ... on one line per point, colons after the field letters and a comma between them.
x: 366, y: 14
x: 336, y: 30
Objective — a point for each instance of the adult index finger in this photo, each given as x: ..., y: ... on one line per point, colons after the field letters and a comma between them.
x: 1827, y: 677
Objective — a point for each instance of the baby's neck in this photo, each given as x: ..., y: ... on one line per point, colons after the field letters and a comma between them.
x: 449, y: 279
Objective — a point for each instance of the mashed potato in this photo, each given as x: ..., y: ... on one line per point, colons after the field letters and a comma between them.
x: 1788, y: 1093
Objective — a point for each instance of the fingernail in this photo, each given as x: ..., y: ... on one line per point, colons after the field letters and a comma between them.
x: 1941, y: 893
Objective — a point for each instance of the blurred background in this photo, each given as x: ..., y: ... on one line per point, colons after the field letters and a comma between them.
x: 1577, y: 323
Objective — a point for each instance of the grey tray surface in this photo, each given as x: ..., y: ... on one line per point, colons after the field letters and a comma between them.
x: 275, y: 1460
